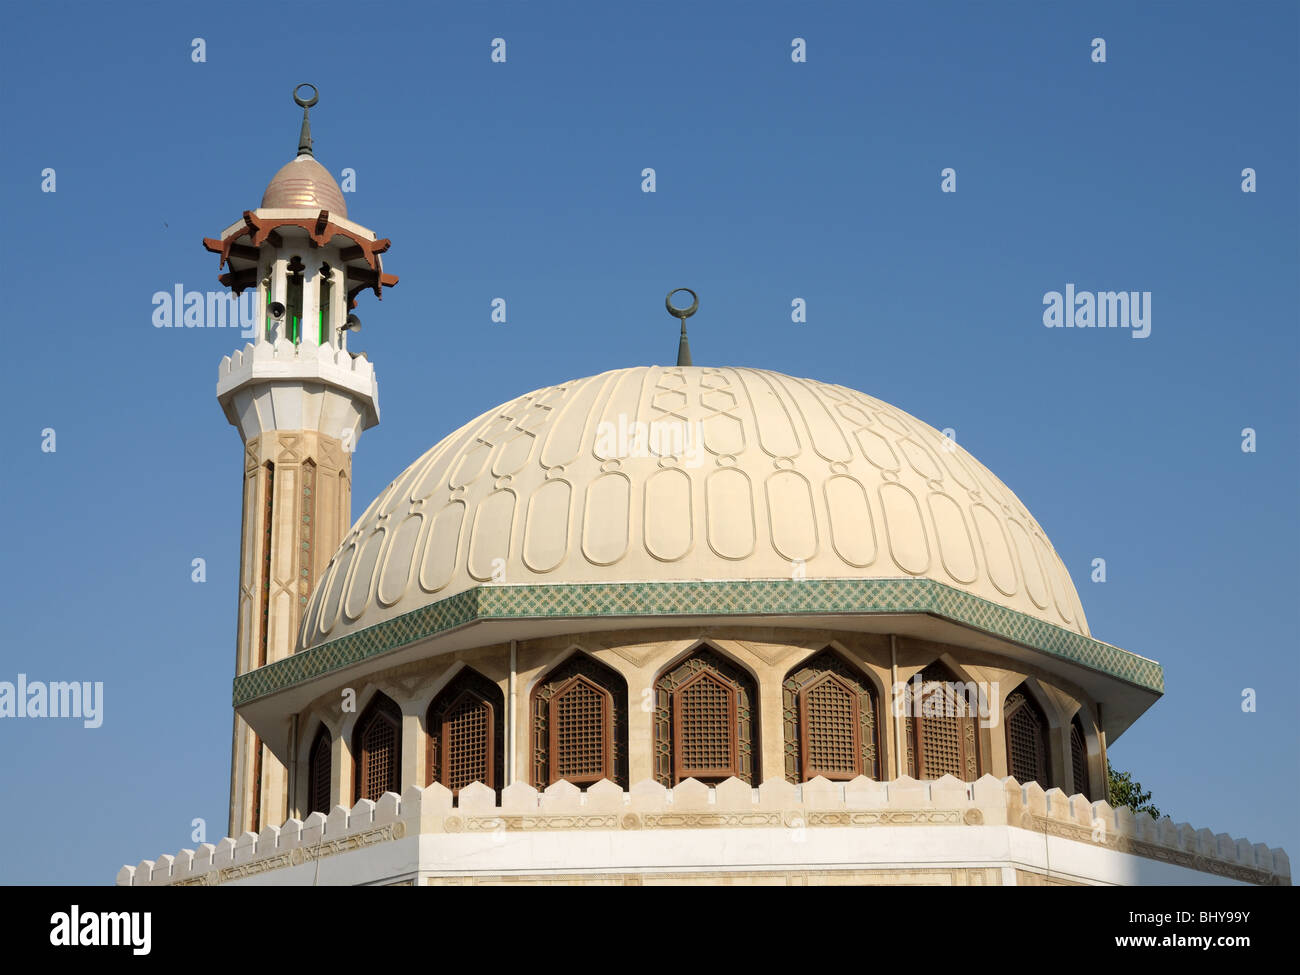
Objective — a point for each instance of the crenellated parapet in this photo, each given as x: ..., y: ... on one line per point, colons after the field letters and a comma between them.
x: 295, y: 360
x: 281, y: 385
x: 604, y: 833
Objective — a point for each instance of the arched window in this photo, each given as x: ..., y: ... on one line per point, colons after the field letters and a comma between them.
x: 1026, y: 731
x: 293, y: 301
x: 829, y: 711
x: 466, y: 724
x: 704, y: 721
x: 941, y: 735
x: 324, y: 277
x: 268, y: 320
x: 377, y: 750
x: 579, y: 724
x: 1079, y: 758
x: 319, y: 768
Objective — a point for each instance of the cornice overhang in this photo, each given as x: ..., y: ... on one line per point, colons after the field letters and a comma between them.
x: 1128, y: 684
x: 362, y: 259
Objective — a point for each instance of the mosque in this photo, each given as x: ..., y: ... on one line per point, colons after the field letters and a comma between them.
x: 662, y: 625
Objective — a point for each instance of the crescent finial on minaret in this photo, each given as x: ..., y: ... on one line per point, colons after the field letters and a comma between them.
x: 304, y: 137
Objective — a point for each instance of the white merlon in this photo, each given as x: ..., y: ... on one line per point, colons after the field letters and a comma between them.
x: 313, y: 829
x: 859, y: 825
x: 245, y: 846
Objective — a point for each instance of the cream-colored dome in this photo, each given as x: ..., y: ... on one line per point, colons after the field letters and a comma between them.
x: 736, y: 474
x: 305, y: 184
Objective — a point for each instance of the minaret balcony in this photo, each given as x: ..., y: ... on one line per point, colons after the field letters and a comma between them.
x: 283, y: 386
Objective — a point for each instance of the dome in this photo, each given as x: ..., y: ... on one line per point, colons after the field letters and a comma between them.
x: 655, y: 474
x: 305, y: 184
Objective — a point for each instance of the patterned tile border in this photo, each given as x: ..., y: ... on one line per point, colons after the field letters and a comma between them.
x: 738, y: 597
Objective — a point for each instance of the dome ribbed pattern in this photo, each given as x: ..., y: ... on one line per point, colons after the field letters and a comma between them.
x: 656, y: 474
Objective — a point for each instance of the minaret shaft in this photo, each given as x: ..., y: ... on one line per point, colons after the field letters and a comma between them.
x: 297, y: 500
x: 300, y: 400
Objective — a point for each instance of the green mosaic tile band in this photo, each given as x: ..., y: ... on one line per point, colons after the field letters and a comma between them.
x: 738, y: 597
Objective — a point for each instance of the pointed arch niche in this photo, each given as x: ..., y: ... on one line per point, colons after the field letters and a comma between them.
x: 320, y: 768
x: 578, y: 723
x: 377, y: 749
x: 466, y: 728
x: 830, y: 715
x: 942, y: 737
x: 706, y: 708
x: 1027, y: 737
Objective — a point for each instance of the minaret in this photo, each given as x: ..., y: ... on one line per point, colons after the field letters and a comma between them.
x: 300, y: 400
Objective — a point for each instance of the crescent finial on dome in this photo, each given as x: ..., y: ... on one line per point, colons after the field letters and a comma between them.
x: 683, y: 343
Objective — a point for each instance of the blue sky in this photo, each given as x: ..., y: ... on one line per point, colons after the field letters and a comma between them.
x: 775, y: 180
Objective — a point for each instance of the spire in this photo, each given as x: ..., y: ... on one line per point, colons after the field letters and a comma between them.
x: 683, y: 343
x: 304, y: 137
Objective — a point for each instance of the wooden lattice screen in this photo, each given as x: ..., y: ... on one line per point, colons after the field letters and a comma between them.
x: 941, y: 730
x: 1026, y: 732
x: 705, y: 726
x: 579, y: 724
x: 465, y: 738
x: 828, y: 711
x: 377, y: 745
x: 466, y: 725
x: 1079, y: 758
x: 829, y: 714
x: 580, y: 736
x: 319, y: 766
